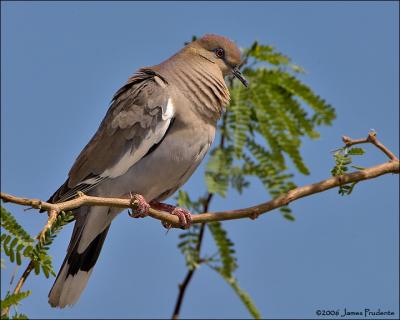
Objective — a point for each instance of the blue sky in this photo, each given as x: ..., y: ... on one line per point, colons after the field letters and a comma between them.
x: 62, y: 62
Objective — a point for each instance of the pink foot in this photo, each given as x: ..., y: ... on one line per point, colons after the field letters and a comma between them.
x: 140, y: 208
x: 185, y: 217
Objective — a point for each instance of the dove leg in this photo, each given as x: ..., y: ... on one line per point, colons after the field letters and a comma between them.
x: 185, y: 217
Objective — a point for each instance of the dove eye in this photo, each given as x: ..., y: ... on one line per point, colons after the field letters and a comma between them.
x: 220, y: 53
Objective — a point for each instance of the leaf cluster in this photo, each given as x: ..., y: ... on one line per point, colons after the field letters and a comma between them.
x: 264, y: 126
x: 13, y: 300
x: 18, y: 244
x: 15, y: 241
x: 223, y: 261
x: 188, y: 245
x: 226, y: 264
x: 40, y: 257
x: 343, y: 160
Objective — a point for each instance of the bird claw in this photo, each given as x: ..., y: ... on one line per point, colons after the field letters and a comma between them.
x: 185, y: 218
x: 140, y: 207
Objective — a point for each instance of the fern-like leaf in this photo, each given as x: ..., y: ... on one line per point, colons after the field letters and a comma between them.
x: 343, y: 159
x: 13, y: 299
x: 218, y: 171
x: 42, y: 261
x: 9, y: 223
x: 243, y: 295
x: 225, y: 249
x: 14, y: 241
x: 188, y: 245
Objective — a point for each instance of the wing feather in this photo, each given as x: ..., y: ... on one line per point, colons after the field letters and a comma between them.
x: 138, y: 118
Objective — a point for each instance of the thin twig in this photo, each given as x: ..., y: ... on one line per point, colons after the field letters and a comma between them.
x: 23, y: 278
x: 18, y: 287
x: 182, y: 291
x: 190, y: 272
x: 371, y: 138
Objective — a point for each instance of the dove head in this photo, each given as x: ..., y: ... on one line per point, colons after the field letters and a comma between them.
x: 220, y: 51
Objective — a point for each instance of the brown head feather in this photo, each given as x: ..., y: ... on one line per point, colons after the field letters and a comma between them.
x: 211, y: 42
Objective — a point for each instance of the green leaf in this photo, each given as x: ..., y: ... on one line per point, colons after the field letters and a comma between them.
x: 225, y: 248
x: 42, y: 261
x: 27, y: 251
x: 14, y: 299
x: 243, y: 295
x: 268, y: 54
x: 358, y: 167
x: 36, y: 267
x: 287, y: 213
x: 188, y: 246
x: 18, y: 258
x: 289, y: 217
x: 11, y: 255
x: 343, y: 159
x: 5, y: 242
x: 245, y: 298
x: 347, y: 189
x: 356, y: 151
x: 14, y: 238
x: 324, y: 112
x: 46, y: 271
x: 217, y: 172
x: 239, y: 118
x: 9, y: 223
x: 13, y: 243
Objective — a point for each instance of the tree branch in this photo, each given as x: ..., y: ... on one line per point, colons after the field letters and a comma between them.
x: 251, y: 212
x: 190, y: 272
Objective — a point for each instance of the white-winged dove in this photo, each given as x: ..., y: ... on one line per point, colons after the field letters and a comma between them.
x: 157, y: 130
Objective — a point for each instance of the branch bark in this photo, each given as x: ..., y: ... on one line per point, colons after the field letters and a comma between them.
x: 250, y: 212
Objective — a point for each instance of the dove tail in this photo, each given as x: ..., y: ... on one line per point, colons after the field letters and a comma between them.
x: 76, y: 270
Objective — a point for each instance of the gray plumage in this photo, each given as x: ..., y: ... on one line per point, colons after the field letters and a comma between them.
x: 157, y: 130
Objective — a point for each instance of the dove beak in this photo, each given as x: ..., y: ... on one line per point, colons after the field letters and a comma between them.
x: 236, y: 72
